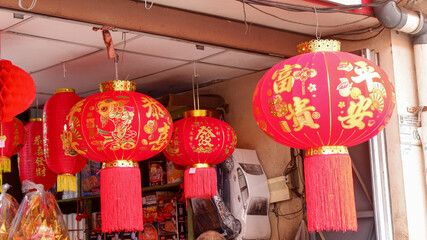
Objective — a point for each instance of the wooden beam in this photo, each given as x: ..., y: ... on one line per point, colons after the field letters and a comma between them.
x: 170, y: 22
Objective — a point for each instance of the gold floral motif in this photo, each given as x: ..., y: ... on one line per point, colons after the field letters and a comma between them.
x: 356, y: 112
x: 303, y: 75
x: 355, y: 92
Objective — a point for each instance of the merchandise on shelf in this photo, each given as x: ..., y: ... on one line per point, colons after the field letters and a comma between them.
x: 90, y: 175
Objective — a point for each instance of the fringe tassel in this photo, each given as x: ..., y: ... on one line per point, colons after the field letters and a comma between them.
x: 6, y: 164
x: 201, y: 183
x: 330, y: 195
x: 121, y: 199
x: 66, y: 182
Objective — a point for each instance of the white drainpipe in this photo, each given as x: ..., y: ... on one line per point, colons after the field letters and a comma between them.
x: 415, y: 177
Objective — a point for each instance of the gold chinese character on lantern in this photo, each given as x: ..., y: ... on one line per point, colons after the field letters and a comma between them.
x: 283, y: 78
x: 154, y: 109
x: 365, y: 73
x: 356, y: 112
x: 204, y: 137
x: 38, y: 140
x: 301, y: 115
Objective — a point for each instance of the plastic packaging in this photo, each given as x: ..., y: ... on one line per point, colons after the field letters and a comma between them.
x: 8, y: 209
x: 38, y: 216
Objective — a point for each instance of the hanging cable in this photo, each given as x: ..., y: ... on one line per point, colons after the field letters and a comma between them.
x: 116, y: 66
x: 33, y: 4
x: 317, y: 24
x: 123, y: 53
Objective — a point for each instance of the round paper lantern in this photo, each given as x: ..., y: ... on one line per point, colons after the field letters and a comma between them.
x: 199, y: 142
x: 17, y: 90
x: 325, y: 101
x: 59, y: 156
x: 32, y: 165
x: 119, y: 127
x: 13, y: 135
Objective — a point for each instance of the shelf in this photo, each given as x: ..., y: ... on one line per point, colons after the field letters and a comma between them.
x: 172, y: 186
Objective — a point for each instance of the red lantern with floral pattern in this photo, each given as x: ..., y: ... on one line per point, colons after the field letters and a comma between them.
x: 199, y: 142
x: 12, y: 135
x: 32, y: 165
x: 325, y: 101
x: 119, y: 127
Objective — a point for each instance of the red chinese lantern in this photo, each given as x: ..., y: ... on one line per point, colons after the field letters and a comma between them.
x: 17, y: 90
x: 325, y: 101
x: 13, y: 135
x: 32, y: 165
x: 200, y: 142
x: 59, y: 156
x: 119, y: 127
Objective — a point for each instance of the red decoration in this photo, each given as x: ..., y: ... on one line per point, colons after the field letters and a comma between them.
x: 119, y: 127
x: 17, y: 90
x: 13, y: 133
x: 325, y: 101
x: 60, y: 157
x: 199, y: 142
x: 32, y: 165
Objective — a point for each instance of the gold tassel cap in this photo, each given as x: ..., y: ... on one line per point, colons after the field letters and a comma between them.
x: 323, y: 45
x: 117, y: 85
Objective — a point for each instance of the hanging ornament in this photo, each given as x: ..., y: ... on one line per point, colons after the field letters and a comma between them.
x: 12, y: 138
x: 59, y: 155
x: 119, y: 127
x: 32, y: 165
x: 17, y: 90
x: 199, y: 142
x: 325, y: 101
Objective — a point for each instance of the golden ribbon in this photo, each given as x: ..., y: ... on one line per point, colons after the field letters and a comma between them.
x: 326, y: 150
x: 120, y: 163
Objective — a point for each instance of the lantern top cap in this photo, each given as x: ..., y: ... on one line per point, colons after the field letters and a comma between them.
x: 198, y: 113
x: 323, y: 45
x: 117, y: 85
x: 35, y: 119
x: 65, y: 90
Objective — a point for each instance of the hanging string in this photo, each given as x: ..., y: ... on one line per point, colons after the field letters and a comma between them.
x: 33, y: 4
x: 123, y: 52
x: 245, y: 20
x: 317, y: 23
x: 116, y: 66
x: 196, y: 77
x: 194, y: 92
x: 64, y: 71
x: 148, y: 8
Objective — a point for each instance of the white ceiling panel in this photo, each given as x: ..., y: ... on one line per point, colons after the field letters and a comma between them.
x: 33, y: 54
x: 86, y: 73
x: 244, y: 60
x: 68, y: 31
x: 7, y: 19
x: 179, y: 79
x: 170, y: 48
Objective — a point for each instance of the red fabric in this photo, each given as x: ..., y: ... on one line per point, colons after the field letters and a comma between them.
x: 17, y: 90
x: 201, y: 183
x: 32, y: 165
x: 345, y: 101
x: 119, y: 125
x: 15, y: 137
x: 329, y: 193
x: 121, y: 199
x: 55, y: 111
x: 203, y: 140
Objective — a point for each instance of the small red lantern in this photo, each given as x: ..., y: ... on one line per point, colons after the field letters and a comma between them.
x: 59, y: 156
x: 32, y: 165
x: 325, y: 101
x: 12, y: 134
x: 17, y: 90
x: 199, y: 142
x: 119, y: 127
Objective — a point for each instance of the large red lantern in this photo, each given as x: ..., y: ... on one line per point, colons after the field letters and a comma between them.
x: 17, y: 90
x: 200, y: 142
x: 13, y: 135
x: 119, y: 127
x: 32, y: 165
x: 60, y: 157
x: 325, y: 101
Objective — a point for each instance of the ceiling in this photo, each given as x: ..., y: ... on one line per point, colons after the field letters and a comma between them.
x: 59, y: 53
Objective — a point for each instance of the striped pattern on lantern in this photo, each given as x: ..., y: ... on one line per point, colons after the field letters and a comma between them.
x: 32, y: 165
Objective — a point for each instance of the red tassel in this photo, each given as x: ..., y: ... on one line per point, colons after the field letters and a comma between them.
x: 201, y: 183
x: 330, y: 195
x: 121, y: 199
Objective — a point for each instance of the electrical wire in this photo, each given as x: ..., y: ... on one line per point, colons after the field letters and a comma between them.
x: 361, y: 39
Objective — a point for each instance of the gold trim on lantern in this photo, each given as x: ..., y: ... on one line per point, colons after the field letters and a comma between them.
x: 200, y: 165
x: 35, y: 119
x: 120, y: 163
x: 325, y: 150
x: 323, y: 45
x: 198, y: 113
x: 117, y: 85
x: 66, y: 90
